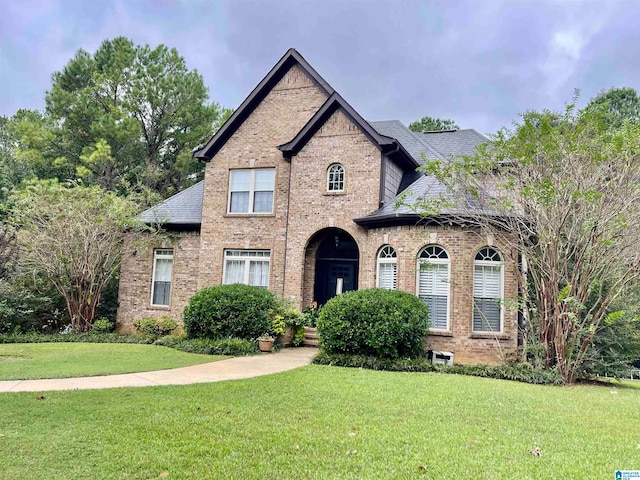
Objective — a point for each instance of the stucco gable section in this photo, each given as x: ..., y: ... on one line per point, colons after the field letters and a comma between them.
x: 272, y: 80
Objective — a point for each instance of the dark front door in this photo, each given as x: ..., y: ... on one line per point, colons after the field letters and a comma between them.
x: 334, y: 277
x: 336, y: 267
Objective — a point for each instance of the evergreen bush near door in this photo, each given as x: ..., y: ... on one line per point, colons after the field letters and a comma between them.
x: 229, y: 311
x: 374, y: 322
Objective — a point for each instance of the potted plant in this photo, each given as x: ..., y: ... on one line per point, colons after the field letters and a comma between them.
x: 265, y: 342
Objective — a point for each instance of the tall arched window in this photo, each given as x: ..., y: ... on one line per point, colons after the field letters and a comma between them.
x: 387, y: 268
x: 487, y: 291
x: 335, y: 178
x: 433, y: 284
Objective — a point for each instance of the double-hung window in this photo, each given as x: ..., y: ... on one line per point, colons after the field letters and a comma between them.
x: 487, y: 291
x: 250, y: 267
x: 433, y: 284
x: 251, y: 190
x: 387, y: 268
x: 161, y: 285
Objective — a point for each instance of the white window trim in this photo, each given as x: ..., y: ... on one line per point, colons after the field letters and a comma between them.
x: 162, y: 256
x: 252, y: 190
x: 490, y: 263
x: 436, y: 261
x: 329, y: 190
x: 387, y: 260
x: 247, y: 259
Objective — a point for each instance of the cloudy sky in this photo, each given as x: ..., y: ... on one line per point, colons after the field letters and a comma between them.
x: 479, y: 62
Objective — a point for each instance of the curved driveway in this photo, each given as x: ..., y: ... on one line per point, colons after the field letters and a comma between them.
x: 230, y: 369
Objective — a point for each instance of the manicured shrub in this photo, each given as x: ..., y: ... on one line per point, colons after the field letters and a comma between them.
x: 89, y: 337
x: 229, y: 311
x: 374, y: 322
x: 103, y: 325
x: 155, y: 326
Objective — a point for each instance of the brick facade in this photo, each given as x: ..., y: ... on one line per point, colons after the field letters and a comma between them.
x: 303, y: 210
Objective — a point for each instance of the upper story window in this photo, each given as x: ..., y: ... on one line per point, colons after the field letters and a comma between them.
x: 251, y: 190
x: 250, y: 267
x: 387, y: 268
x: 335, y: 178
x: 161, y: 284
x: 433, y: 284
x: 487, y: 291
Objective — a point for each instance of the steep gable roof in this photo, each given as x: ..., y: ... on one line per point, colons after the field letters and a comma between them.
x: 335, y: 102
x: 291, y: 58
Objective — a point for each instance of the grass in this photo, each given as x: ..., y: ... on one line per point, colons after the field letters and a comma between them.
x: 61, y: 360
x: 322, y: 422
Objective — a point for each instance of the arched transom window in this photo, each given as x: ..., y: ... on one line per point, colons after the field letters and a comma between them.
x: 387, y: 268
x: 433, y: 284
x: 335, y: 178
x: 487, y: 291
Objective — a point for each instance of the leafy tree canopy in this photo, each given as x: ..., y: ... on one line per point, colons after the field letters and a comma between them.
x: 562, y: 191
x: 619, y: 104
x: 73, y: 236
x: 124, y: 118
x: 428, y: 124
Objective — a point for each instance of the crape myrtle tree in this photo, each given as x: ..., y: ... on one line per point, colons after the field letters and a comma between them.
x: 563, y: 189
x: 73, y: 236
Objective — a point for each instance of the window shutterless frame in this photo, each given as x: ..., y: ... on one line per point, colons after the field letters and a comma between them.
x: 488, y: 292
x: 161, y: 277
x: 387, y: 271
x: 251, y: 191
x: 250, y: 267
x: 432, y: 284
x: 335, y: 178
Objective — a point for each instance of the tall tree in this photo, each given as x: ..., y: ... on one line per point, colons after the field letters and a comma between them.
x: 129, y: 115
x: 620, y: 104
x: 562, y: 190
x: 428, y: 124
x: 73, y: 236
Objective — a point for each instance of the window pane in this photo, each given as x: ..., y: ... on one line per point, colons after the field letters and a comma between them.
x: 234, y: 272
x: 486, y: 315
x: 437, y: 311
x: 434, y: 279
x: 487, y: 281
x: 265, y: 180
x: 259, y: 274
x: 263, y: 202
x: 161, y: 291
x: 163, y: 269
x: 240, y: 180
x: 387, y: 276
x: 239, y: 202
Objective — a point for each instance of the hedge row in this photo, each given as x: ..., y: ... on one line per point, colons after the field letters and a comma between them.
x: 517, y: 372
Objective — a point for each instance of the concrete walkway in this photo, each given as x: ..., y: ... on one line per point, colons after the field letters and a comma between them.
x: 230, y: 369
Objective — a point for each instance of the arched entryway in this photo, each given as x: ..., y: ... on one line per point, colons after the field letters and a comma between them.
x: 333, y: 256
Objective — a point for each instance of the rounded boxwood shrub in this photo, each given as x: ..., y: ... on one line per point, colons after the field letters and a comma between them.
x: 374, y: 322
x: 229, y: 311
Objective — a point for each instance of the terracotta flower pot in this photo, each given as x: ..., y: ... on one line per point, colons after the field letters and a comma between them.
x: 265, y: 345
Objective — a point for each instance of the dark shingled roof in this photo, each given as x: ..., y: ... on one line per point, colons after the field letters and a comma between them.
x: 442, y: 145
x: 184, y: 208
x: 453, y: 143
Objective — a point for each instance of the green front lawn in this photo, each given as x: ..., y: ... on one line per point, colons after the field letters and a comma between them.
x: 60, y: 360
x: 323, y: 422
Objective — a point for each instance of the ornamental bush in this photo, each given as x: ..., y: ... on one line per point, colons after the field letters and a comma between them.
x: 229, y: 311
x: 374, y: 322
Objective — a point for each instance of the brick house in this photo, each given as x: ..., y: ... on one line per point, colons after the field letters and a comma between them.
x: 299, y: 197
